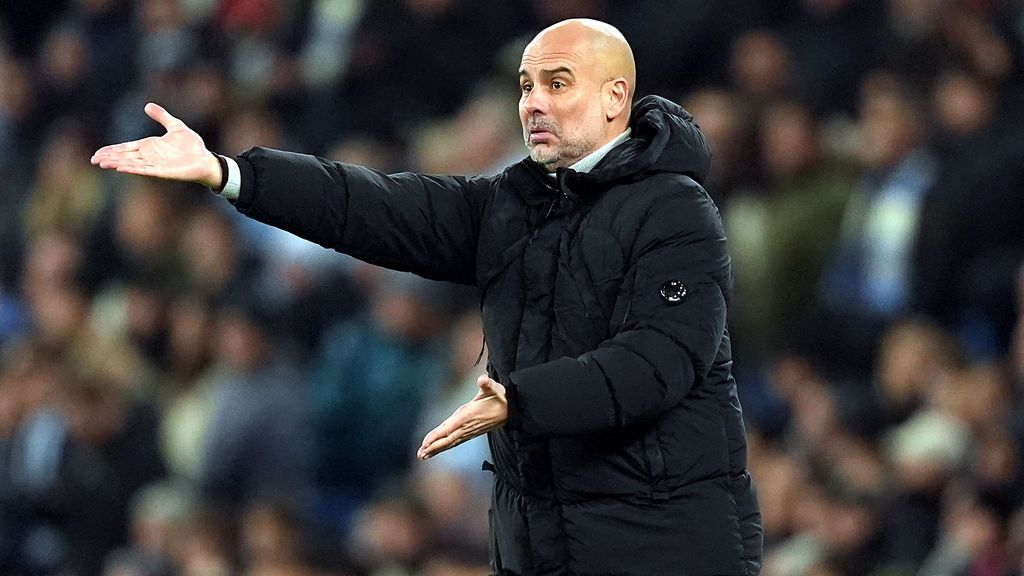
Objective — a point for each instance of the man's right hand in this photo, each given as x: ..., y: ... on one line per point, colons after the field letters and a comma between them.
x: 178, y: 155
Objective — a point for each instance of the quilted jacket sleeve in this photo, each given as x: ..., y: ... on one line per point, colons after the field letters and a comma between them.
x: 423, y: 224
x: 668, y: 340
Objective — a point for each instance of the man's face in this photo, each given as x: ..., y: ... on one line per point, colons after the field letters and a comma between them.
x: 560, y: 104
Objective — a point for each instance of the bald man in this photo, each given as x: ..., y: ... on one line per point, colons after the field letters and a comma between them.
x: 612, y: 415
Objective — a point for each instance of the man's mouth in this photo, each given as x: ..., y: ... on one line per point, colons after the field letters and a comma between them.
x: 540, y: 134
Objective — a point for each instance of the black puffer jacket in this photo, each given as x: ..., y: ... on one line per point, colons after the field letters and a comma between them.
x: 604, y: 306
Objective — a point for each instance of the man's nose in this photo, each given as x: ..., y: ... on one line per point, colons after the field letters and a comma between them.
x: 535, y: 103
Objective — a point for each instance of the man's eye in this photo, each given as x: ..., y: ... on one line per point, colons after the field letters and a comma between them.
x: 558, y: 85
x: 526, y: 88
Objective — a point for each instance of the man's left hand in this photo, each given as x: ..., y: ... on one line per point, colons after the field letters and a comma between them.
x: 483, y: 413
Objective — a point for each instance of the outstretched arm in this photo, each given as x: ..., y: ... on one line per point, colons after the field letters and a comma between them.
x: 180, y: 154
x: 413, y: 222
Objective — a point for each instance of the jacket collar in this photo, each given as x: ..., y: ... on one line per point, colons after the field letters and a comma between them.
x: 663, y: 138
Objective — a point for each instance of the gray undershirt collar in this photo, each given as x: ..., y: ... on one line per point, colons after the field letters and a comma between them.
x: 587, y: 163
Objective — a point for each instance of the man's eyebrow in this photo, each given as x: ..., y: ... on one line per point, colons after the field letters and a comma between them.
x: 551, y: 71
x: 559, y: 70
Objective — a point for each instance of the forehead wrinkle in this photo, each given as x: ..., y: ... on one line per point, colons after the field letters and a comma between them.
x: 565, y: 60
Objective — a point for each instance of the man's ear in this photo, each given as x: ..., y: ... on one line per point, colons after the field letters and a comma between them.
x: 616, y: 98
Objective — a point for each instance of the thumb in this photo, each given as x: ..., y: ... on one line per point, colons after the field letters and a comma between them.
x: 158, y: 113
x: 490, y: 387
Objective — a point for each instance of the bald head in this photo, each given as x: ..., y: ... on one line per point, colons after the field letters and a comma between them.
x: 600, y: 44
x: 577, y: 79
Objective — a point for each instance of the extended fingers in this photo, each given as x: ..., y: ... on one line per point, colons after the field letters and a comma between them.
x: 454, y: 431
x: 436, y: 442
x: 440, y: 432
x: 485, y: 412
x: 113, y: 161
x: 137, y: 166
x: 114, y: 151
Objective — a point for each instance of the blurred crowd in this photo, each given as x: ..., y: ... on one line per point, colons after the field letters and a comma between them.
x: 186, y: 393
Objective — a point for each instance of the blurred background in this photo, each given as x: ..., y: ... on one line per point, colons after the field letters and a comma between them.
x: 183, y: 392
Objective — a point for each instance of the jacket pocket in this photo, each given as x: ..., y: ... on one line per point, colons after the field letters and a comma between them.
x: 656, y: 464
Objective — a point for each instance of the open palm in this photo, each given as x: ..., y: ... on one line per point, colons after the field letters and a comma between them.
x: 180, y: 154
x: 485, y: 412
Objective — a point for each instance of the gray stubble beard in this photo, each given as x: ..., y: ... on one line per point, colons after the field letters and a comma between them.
x: 567, y: 152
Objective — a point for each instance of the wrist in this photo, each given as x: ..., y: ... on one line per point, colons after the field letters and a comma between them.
x: 217, y: 173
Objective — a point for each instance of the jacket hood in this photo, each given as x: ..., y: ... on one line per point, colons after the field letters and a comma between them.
x: 664, y: 138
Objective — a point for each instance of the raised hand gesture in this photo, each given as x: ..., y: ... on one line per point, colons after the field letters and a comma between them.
x: 485, y: 412
x: 180, y: 154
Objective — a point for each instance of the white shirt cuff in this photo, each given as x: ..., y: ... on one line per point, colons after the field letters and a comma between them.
x: 234, y: 183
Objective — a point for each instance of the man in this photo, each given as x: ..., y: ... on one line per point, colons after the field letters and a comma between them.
x: 613, y: 419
